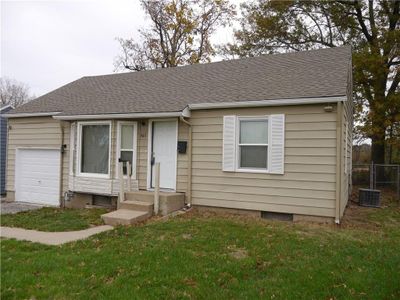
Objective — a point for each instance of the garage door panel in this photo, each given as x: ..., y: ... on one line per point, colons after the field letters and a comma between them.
x: 37, y: 177
x: 47, y: 165
x: 38, y: 198
x: 45, y: 173
x: 38, y: 189
x: 44, y: 180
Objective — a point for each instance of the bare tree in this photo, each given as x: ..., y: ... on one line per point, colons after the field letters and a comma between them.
x: 13, y: 92
x: 179, y: 34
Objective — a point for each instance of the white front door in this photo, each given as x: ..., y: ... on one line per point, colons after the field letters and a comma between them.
x: 37, y: 176
x: 164, y: 151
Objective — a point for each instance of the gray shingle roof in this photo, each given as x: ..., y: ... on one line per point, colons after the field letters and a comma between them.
x: 317, y: 73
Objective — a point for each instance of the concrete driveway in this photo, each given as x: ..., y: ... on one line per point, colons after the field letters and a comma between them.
x: 16, y: 207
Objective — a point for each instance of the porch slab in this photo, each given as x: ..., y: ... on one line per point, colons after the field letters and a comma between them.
x: 124, y: 217
x: 169, y: 201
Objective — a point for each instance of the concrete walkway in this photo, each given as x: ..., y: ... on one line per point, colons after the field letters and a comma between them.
x: 51, y: 238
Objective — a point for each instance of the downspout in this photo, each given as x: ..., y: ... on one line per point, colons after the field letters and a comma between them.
x: 189, y: 166
x: 339, y: 153
x: 62, y: 200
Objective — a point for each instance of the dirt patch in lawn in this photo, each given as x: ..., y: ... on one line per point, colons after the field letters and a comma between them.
x: 237, y: 253
x: 370, y: 218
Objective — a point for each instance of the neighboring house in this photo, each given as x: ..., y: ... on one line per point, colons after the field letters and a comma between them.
x: 264, y: 134
x: 3, y: 146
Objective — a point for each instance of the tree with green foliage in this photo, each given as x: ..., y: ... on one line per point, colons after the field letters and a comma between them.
x: 179, y: 34
x: 370, y: 27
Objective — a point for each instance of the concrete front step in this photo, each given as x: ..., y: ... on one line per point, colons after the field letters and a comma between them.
x: 169, y: 201
x: 137, y: 205
x: 125, y: 217
x: 143, y: 196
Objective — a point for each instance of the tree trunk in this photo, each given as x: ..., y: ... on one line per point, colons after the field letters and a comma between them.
x: 378, y: 149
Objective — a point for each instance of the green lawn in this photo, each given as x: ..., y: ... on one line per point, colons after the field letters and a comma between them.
x: 213, y: 257
x: 54, y: 219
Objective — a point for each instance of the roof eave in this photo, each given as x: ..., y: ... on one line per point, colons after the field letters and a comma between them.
x: 273, y: 102
x: 27, y: 115
x: 183, y: 113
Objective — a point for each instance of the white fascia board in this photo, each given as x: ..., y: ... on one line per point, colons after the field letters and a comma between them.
x: 27, y: 115
x: 122, y: 116
x: 274, y: 102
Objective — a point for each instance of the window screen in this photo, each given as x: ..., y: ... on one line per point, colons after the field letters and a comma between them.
x: 95, y: 146
x: 253, y: 143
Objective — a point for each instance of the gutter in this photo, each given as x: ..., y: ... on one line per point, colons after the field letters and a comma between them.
x: 27, y: 115
x: 184, y: 113
x: 273, y: 102
x: 189, y: 167
x: 339, y: 153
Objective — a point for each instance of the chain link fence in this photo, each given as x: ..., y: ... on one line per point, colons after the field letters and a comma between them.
x: 383, y: 177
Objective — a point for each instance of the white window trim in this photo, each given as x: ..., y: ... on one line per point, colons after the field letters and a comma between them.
x: 79, y: 149
x: 72, y: 147
x: 237, y: 148
x: 134, y: 150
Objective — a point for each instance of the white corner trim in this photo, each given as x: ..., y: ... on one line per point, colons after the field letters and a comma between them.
x: 273, y: 102
x: 123, y: 116
x: 25, y: 115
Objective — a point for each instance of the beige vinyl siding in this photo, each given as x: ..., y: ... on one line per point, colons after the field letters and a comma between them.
x: 347, y: 145
x: 39, y: 132
x: 142, y: 154
x: 143, y: 130
x: 308, y: 183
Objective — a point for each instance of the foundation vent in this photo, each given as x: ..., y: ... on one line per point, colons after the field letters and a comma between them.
x: 99, y: 200
x: 276, y: 216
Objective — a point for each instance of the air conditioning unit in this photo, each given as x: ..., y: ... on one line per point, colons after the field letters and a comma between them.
x: 369, y: 197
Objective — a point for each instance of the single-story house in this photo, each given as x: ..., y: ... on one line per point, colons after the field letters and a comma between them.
x: 264, y: 135
x: 5, y: 108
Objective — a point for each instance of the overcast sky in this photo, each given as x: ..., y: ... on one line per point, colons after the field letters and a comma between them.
x: 47, y: 44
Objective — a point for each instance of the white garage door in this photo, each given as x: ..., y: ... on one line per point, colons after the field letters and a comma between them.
x: 37, y: 176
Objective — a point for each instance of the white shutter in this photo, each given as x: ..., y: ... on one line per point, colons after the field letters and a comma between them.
x: 277, y: 143
x: 229, y: 144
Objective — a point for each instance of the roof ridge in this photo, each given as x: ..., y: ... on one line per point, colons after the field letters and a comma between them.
x: 261, y: 56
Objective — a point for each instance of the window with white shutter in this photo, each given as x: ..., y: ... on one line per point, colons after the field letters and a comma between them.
x: 254, y: 144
